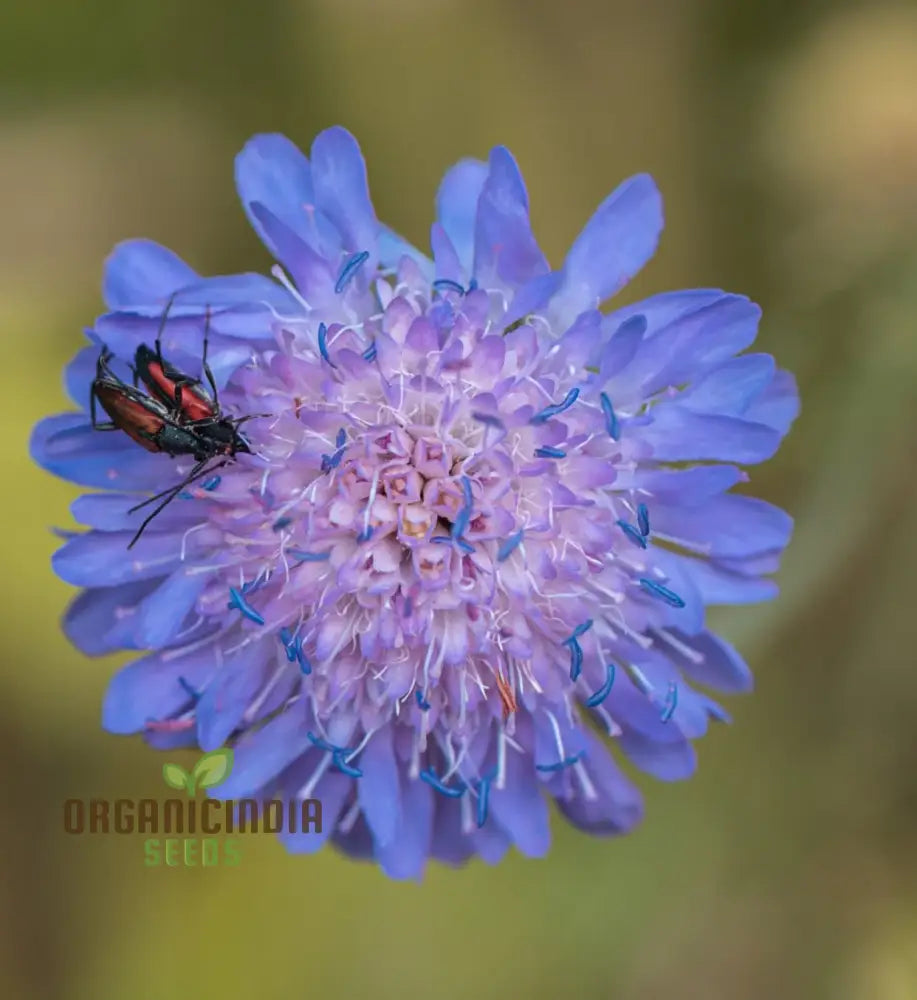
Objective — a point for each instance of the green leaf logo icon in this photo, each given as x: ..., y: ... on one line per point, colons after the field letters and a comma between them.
x: 175, y: 776
x: 213, y: 768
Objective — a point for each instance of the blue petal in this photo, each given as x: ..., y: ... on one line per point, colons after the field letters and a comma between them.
x: 161, y: 616
x: 690, y: 345
x: 520, y: 808
x: 636, y: 711
x: 341, y: 190
x: 713, y: 662
x: 109, y: 512
x: 614, y: 245
x: 97, y: 559
x: 457, y: 206
x: 691, y: 616
x: 378, y: 789
x: 698, y: 342
x: 331, y: 791
x: 79, y: 373
x: 490, y: 843
x: 622, y: 346
x: 273, y: 171
x: 308, y: 269
x: 732, y: 387
x: 406, y: 855
x: 68, y: 446
x: 392, y: 248
x: 730, y: 526
x: 151, y: 689
x: 232, y: 689
x: 717, y: 583
x: 546, y: 750
x: 504, y: 247
x: 678, y: 435
x: 449, y: 844
x: 686, y: 487
x: 101, y: 620
x: 666, y: 307
x: 357, y: 842
x: 533, y: 295
x: 448, y: 265
x: 618, y: 806
x: 579, y: 344
x: 666, y: 761
x: 139, y: 272
x: 261, y: 755
x: 778, y: 405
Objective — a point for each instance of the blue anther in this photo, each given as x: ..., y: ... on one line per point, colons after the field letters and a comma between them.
x: 304, y: 665
x: 188, y: 689
x: 509, y: 546
x: 555, y: 408
x: 643, y: 519
x: 611, y: 418
x: 442, y: 540
x: 671, y: 703
x: 582, y: 629
x: 236, y: 600
x: 365, y: 534
x: 323, y: 344
x: 662, y: 593
x: 460, y: 523
x: 281, y: 523
x: 330, y: 462
x: 185, y: 495
x: 344, y: 767
x: 321, y: 744
x: 632, y: 534
x: 576, y: 657
x: 442, y: 284
x: 302, y: 556
x: 464, y: 546
x: 561, y: 764
x: 546, y: 452
x: 350, y: 268
x: 594, y: 700
x: 341, y: 438
x: 370, y: 353
x: 466, y: 493
x: 211, y: 484
x: 488, y: 419
x: 483, y: 799
x: 473, y: 285
x: 422, y: 702
x: 431, y: 779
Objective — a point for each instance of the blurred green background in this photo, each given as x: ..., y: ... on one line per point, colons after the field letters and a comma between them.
x: 784, y: 137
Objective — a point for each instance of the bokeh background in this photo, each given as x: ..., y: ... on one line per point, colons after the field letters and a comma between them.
x: 784, y: 137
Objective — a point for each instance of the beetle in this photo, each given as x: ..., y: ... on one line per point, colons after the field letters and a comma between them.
x: 188, y: 402
x: 155, y: 426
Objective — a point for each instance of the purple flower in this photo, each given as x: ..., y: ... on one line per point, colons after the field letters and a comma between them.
x: 481, y: 519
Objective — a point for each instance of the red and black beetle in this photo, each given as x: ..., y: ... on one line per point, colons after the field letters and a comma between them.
x: 160, y: 428
x: 188, y: 402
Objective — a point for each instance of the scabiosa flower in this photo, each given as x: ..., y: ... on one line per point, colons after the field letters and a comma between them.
x: 473, y: 543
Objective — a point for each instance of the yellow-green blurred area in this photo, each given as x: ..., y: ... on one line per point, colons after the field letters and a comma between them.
x: 784, y: 137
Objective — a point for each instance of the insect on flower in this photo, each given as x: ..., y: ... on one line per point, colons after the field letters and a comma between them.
x: 180, y: 418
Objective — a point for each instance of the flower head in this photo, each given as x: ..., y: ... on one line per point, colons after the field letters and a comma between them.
x: 479, y: 523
